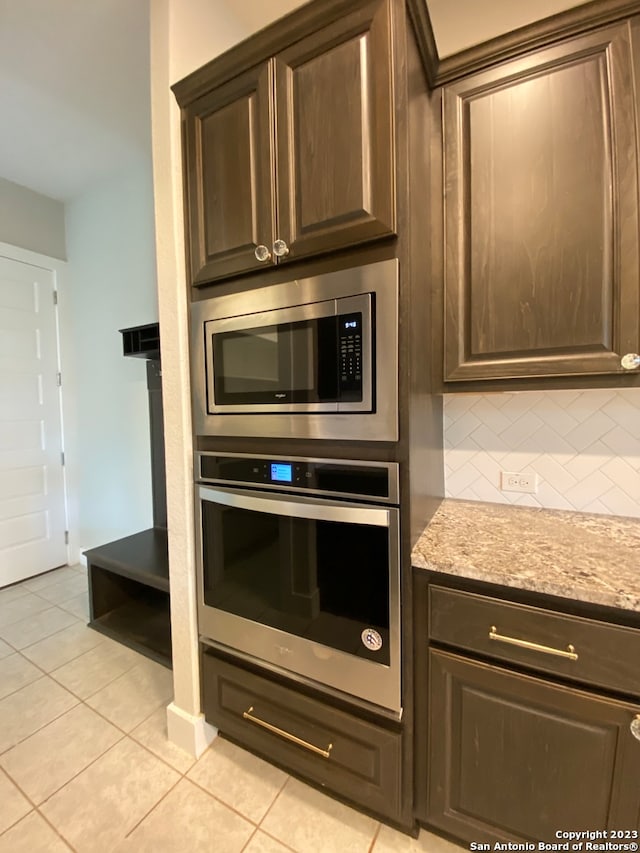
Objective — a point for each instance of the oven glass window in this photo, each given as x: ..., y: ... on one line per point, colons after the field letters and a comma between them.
x: 325, y: 581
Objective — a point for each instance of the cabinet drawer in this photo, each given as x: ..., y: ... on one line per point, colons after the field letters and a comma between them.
x: 582, y: 649
x: 352, y: 757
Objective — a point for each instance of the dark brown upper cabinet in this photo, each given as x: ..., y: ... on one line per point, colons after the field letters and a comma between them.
x: 294, y: 157
x: 541, y: 213
x: 230, y: 188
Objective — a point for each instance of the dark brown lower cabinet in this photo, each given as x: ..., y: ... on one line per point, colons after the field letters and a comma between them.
x: 350, y: 756
x: 516, y: 757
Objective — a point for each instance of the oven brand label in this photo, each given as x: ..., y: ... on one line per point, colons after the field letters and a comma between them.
x: 371, y: 639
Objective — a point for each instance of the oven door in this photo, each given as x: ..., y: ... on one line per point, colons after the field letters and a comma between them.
x: 307, y: 358
x: 308, y: 586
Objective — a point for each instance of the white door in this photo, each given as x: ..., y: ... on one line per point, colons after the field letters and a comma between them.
x: 32, y: 505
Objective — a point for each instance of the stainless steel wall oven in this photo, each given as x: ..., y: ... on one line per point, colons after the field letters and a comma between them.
x: 298, y: 569
x: 312, y: 358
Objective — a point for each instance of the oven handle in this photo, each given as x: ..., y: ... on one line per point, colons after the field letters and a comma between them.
x: 302, y: 508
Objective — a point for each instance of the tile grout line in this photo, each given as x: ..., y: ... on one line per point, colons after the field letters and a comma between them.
x: 24, y: 618
x: 183, y: 776
x: 154, y: 806
x: 124, y: 734
x: 35, y: 615
x: 24, y: 794
x: 39, y: 592
x: 27, y: 592
x: 56, y: 830
x: 249, y: 840
x: 264, y: 817
x: 218, y: 800
x: 22, y: 686
x: 275, y: 799
x: 34, y: 810
x: 75, y: 776
x: 103, y: 641
x: 78, y: 699
x: 102, y: 687
x: 279, y: 840
x: 21, y: 652
x: 44, y: 725
x: 23, y: 583
x: 375, y: 838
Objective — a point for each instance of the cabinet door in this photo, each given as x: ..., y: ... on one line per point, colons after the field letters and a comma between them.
x: 515, y: 757
x: 541, y: 213
x: 229, y: 174
x: 335, y: 134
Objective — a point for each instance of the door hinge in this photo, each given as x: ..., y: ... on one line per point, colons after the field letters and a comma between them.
x: 66, y: 537
x: 59, y: 379
x: 55, y: 297
x: 62, y: 457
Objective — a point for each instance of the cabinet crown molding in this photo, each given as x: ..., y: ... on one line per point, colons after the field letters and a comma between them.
x: 266, y: 43
x: 512, y: 44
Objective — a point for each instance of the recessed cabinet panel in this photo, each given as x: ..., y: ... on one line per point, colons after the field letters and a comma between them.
x: 541, y: 214
x: 539, y: 162
x: 330, y: 137
x: 229, y: 150
x: 226, y: 137
x: 335, y: 135
x: 515, y: 757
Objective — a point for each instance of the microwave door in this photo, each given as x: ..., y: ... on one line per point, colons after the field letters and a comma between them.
x: 283, y: 360
x: 308, y: 358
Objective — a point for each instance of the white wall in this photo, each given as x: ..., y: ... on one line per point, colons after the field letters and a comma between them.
x: 583, y: 445
x: 31, y: 220
x: 111, y: 284
x: 459, y: 24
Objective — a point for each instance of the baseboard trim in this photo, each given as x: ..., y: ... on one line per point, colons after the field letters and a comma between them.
x: 189, y: 732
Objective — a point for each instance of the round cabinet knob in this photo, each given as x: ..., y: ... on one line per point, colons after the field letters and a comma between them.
x: 280, y: 249
x: 630, y: 361
x: 262, y: 253
x: 635, y: 727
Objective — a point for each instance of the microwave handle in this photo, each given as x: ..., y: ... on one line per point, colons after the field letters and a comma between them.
x: 284, y: 505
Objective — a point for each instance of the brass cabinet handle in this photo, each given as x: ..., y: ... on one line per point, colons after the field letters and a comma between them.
x: 536, y: 647
x: 635, y: 727
x: 325, y: 753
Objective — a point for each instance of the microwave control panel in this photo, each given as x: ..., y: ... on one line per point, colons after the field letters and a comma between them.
x: 350, y: 356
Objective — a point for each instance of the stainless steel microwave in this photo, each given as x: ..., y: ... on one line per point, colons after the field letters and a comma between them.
x: 312, y: 358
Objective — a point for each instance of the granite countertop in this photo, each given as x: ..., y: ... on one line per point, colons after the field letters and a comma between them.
x: 592, y: 558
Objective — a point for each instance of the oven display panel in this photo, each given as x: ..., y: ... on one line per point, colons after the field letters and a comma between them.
x: 281, y: 472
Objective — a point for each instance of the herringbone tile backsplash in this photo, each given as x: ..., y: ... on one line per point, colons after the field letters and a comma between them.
x: 584, y: 446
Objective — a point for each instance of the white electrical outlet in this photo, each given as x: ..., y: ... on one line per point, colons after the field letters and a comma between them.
x: 513, y: 482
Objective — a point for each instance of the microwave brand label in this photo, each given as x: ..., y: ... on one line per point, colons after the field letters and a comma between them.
x: 280, y: 396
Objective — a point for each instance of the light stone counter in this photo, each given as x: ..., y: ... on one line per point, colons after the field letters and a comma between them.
x: 593, y: 558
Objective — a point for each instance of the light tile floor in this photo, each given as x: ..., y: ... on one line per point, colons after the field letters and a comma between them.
x: 85, y: 763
